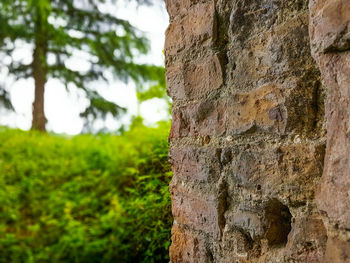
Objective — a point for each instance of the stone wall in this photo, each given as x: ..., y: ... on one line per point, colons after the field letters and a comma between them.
x: 248, y: 136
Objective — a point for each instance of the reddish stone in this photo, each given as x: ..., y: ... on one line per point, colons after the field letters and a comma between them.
x: 195, y: 165
x: 307, y: 240
x: 333, y: 197
x: 330, y: 25
x: 185, y: 81
x: 198, y: 119
x: 236, y: 115
x: 178, y: 7
x: 338, y: 251
x: 330, y: 35
x: 187, y: 247
x: 197, y: 27
x: 199, y: 211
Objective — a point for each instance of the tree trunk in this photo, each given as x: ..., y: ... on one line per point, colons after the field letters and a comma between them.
x: 39, y: 75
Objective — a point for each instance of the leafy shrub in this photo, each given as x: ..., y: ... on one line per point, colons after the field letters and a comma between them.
x: 85, y: 199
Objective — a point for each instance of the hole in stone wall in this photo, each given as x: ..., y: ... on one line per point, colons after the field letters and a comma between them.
x: 278, y: 223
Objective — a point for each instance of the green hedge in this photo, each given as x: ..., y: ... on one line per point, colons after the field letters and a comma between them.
x: 85, y: 199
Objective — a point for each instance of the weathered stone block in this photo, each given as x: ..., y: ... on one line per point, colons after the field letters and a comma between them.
x: 195, y: 165
x: 185, y: 81
x: 334, y: 191
x: 338, y: 251
x: 330, y: 38
x: 248, y: 221
x: 290, y: 171
x: 281, y: 53
x: 234, y: 247
x: 259, y: 109
x: 250, y: 18
x: 307, y: 240
x: 196, y: 28
x: 188, y: 247
x: 198, y: 119
x: 178, y: 7
x: 330, y: 26
x: 197, y: 210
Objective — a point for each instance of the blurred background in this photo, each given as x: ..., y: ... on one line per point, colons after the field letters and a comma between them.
x: 63, y: 108
x: 84, y: 121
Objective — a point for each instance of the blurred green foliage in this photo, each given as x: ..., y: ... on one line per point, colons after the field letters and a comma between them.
x: 85, y: 199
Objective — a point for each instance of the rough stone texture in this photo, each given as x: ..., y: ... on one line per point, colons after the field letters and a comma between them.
x: 197, y: 26
x: 188, y: 246
x: 247, y: 137
x: 330, y: 42
x: 188, y: 78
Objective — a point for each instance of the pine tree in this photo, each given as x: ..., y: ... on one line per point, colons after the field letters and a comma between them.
x: 61, y: 27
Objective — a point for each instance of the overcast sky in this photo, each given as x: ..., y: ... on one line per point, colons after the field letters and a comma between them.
x: 62, y: 109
